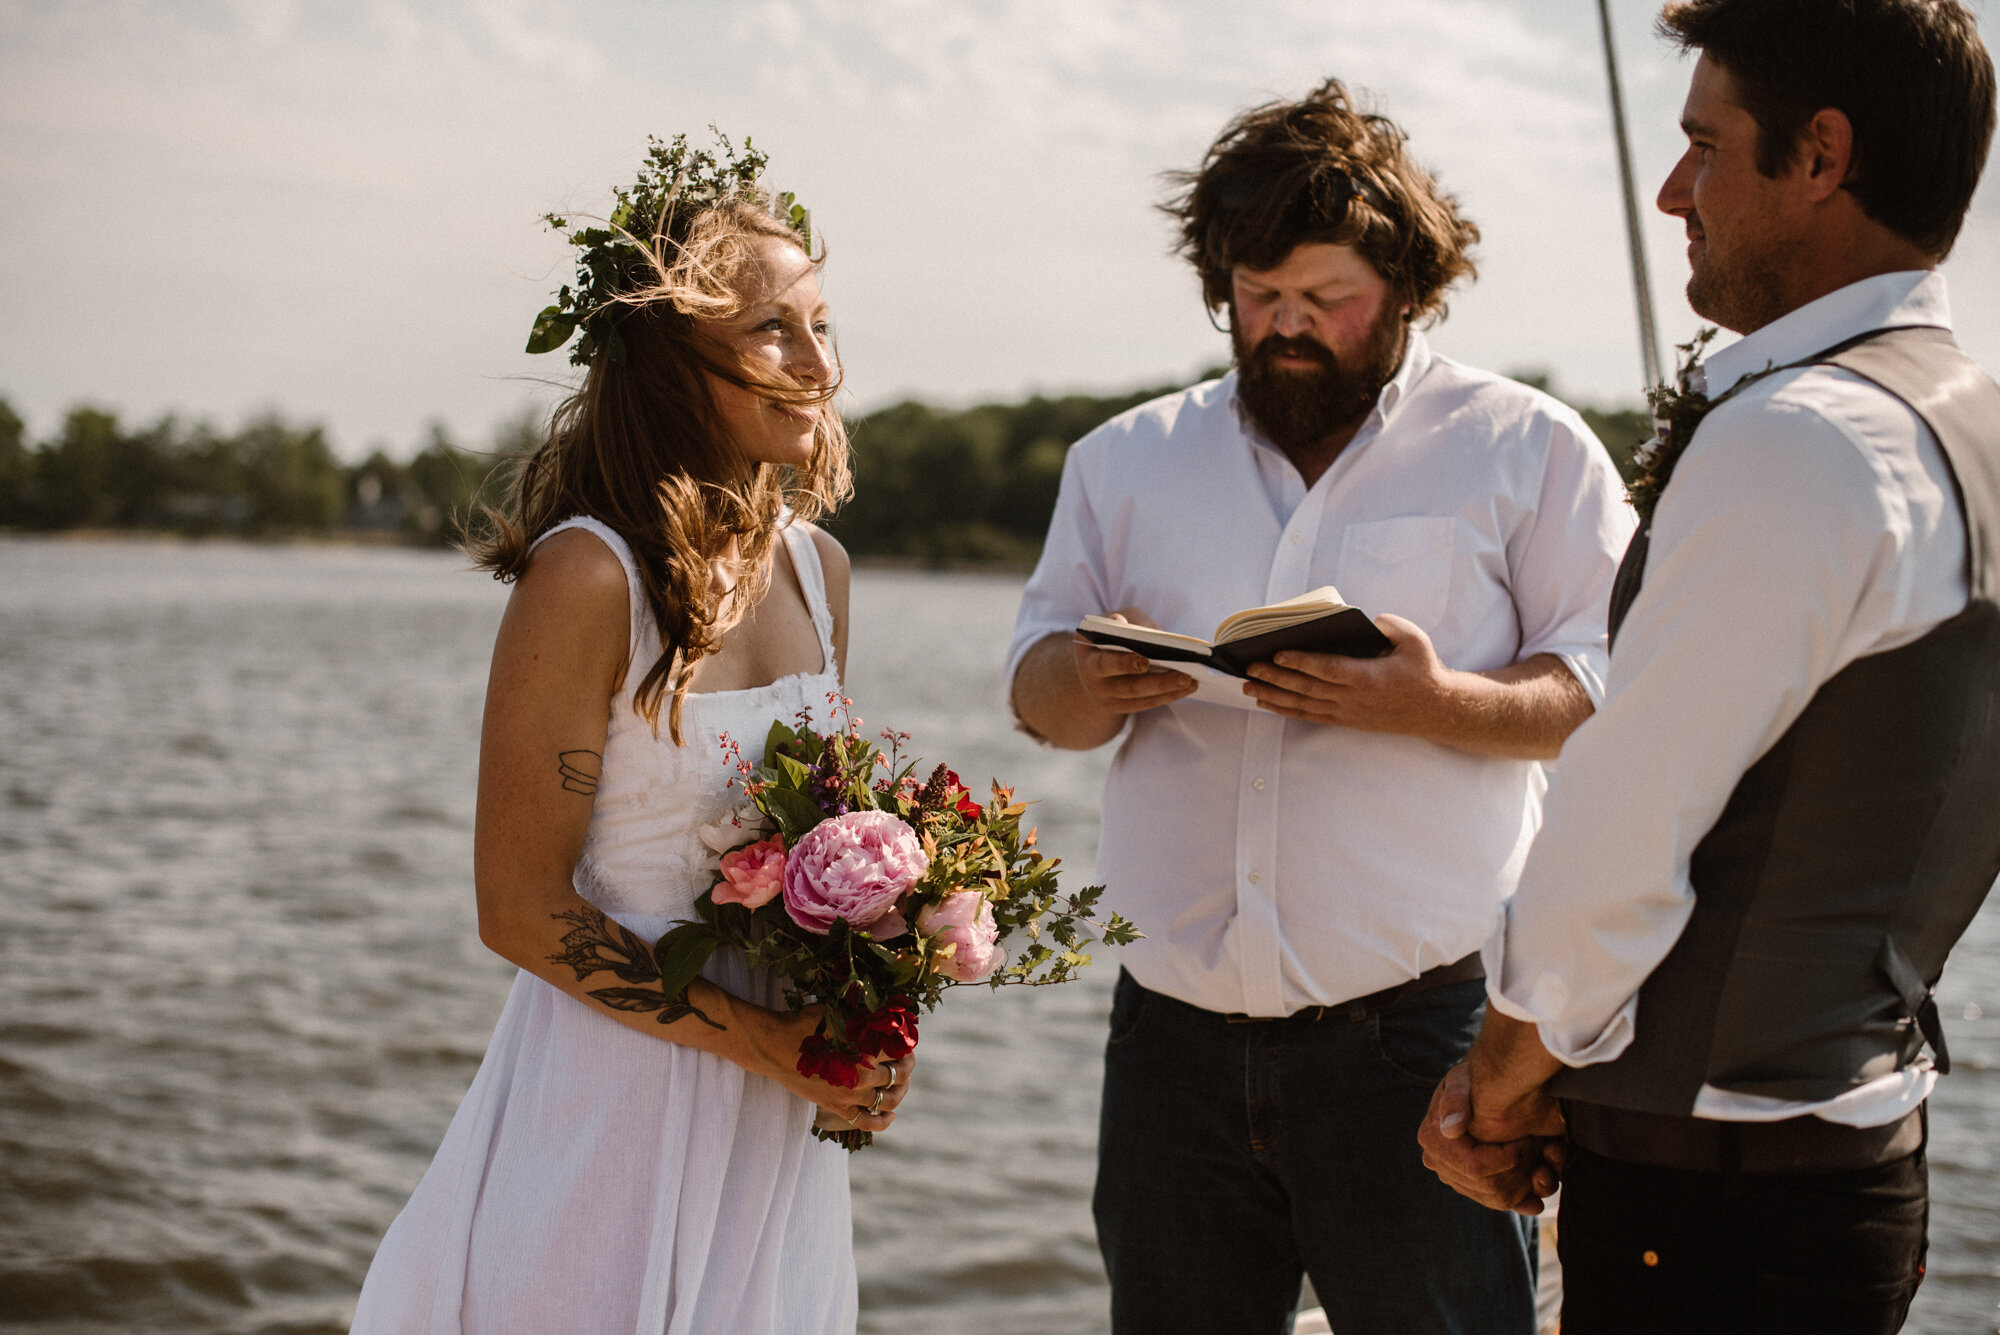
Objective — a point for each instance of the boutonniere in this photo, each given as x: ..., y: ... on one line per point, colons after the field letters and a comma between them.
x: 1677, y: 411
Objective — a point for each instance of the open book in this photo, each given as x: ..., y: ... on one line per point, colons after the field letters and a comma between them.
x: 1318, y: 622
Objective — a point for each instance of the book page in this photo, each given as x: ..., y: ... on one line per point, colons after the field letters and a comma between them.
x: 1097, y: 629
x: 1210, y: 687
x: 1257, y: 620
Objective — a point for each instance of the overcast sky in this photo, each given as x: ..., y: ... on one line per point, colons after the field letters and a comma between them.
x: 330, y: 207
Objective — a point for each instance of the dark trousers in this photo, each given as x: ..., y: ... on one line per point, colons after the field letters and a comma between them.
x: 1664, y: 1251
x: 1235, y: 1158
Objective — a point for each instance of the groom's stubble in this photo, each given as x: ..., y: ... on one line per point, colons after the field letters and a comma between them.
x: 1732, y: 285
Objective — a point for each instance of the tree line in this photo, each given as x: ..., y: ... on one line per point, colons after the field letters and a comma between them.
x: 933, y: 486
x: 271, y: 479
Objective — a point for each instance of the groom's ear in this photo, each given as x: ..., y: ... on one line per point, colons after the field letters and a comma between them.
x: 1825, y: 152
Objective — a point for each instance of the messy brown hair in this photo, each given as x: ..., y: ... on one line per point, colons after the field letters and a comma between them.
x: 1911, y: 76
x: 640, y: 445
x: 1320, y: 169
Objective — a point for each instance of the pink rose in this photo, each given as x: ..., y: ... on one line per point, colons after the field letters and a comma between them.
x: 965, y: 941
x: 853, y: 868
x: 752, y: 876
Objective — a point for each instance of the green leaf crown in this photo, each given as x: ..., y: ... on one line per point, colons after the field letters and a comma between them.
x: 675, y: 185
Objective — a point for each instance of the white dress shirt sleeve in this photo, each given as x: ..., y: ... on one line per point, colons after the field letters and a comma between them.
x: 1564, y: 565
x: 1777, y: 557
x: 1069, y: 582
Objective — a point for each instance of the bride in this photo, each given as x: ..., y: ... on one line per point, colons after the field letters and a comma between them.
x: 626, y: 1161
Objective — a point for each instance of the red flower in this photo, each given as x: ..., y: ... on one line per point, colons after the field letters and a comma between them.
x: 888, y: 1033
x: 966, y: 806
x: 818, y: 1057
x: 885, y: 1035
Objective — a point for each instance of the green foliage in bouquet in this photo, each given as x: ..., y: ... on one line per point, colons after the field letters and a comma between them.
x: 970, y: 846
x: 877, y: 953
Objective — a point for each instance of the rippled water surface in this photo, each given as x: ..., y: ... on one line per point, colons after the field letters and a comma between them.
x: 241, y: 992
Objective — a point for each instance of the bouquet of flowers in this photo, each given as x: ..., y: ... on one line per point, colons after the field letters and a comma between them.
x: 872, y: 892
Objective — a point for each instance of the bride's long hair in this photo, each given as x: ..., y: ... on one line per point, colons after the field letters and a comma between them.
x: 641, y: 447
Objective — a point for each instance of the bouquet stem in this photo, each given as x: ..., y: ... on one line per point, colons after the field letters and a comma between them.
x: 829, y: 1126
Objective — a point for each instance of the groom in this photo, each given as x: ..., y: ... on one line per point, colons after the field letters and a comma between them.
x: 1759, y: 852
x: 1315, y: 867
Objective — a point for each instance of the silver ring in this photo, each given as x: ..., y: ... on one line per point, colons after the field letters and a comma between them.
x: 876, y: 1106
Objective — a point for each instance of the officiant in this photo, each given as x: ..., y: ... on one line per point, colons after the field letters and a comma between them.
x: 1760, y: 851
x: 1316, y: 861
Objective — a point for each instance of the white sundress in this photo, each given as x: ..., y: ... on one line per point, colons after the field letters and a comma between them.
x: 598, y: 1181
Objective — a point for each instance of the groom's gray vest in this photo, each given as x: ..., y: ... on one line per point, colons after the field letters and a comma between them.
x: 1854, y: 853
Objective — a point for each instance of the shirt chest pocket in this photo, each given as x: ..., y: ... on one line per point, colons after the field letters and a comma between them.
x: 1402, y: 566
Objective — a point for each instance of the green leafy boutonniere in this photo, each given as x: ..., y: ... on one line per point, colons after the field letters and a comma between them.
x: 1677, y: 411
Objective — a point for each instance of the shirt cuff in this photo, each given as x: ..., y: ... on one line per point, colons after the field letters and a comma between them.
x: 1541, y: 1000
x: 1588, y: 664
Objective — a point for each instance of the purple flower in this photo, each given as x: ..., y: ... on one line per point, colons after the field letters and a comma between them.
x: 854, y: 868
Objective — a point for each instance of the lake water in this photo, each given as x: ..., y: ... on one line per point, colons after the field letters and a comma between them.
x: 241, y: 991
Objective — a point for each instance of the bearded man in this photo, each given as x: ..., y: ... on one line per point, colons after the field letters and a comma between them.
x: 1761, y: 850
x: 1316, y: 860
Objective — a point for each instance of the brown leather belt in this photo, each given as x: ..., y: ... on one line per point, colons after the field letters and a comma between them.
x: 1444, y: 975
x: 1797, y: 1145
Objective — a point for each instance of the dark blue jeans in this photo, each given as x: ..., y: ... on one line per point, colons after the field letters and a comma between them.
x: 1660, y: 1251
x: 1235, y: 1158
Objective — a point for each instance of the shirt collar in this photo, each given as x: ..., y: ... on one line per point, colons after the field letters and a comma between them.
x: 1417, y: 358
x: 1909, y: 297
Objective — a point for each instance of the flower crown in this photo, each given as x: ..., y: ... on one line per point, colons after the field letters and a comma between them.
x: 675, y: 184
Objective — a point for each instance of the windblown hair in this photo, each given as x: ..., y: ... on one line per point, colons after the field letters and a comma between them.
x: 1320, y: 169
x: 1911, y: 76
x: 641, y: 447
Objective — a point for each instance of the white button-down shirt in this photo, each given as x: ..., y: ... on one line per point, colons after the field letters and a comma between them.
x: 1273, y: 864
x: 1811, y: 521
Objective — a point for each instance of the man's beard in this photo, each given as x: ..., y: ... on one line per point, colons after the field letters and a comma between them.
x: 1734, y: 287
x: 1299, y: 408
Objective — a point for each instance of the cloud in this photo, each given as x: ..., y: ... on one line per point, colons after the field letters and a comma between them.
x: 332, y: 207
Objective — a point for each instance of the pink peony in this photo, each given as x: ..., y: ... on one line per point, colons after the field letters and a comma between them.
x: 752, y: 876
x: 889, y: 926
x: 854, y: 868
x: 965, y: 940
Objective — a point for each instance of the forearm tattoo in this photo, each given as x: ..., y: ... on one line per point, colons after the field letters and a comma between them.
x: 596, y: 944
x: 579, y: 771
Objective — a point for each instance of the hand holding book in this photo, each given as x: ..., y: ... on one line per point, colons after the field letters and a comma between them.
x: 1317, y: 622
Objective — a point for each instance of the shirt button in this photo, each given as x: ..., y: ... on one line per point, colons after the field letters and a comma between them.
x: 1255, y: 877
x: 1258, y: 784
x: 1296, y: 539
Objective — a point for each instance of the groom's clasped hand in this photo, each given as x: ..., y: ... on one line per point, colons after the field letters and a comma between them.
x: 1510, y: 1159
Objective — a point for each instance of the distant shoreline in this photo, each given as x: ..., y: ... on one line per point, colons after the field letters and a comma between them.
x: 377, y: 539
x: 934, y: 489
x: 331, y: 538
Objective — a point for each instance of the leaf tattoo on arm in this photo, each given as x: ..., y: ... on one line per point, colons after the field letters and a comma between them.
x: 579, y: 771
x: 596, y: 944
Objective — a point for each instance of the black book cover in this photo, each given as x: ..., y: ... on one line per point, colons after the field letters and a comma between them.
x: 1348, y: 631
